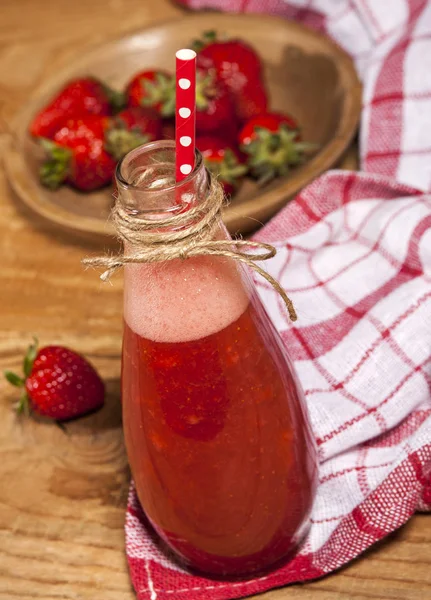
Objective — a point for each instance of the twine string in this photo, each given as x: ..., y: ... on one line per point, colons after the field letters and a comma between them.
x: 184, y: 235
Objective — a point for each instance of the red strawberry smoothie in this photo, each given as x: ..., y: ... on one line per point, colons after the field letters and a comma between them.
x: 217, y: 439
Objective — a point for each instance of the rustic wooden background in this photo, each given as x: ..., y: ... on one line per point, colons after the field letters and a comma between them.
x: 63, y: 494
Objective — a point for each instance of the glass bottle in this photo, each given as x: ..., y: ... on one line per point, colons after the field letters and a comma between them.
x: 215, y: 423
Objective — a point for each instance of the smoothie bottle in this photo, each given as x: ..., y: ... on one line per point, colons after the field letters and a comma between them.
x: 215, y: 423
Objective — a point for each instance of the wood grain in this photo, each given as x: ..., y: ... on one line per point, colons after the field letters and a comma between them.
x: 63, y: 494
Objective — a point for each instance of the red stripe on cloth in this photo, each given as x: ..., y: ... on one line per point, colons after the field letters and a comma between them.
x: 356, y: 236
x: 362, y: 473
x: 328, y: 334
x: 386, y: 120
x: 312, y: 216
x: 366, y: 526
x: 399, y: 96
x: 397, y: 153
x: 348, y: 185
x: 403, y: 431
x: 385, y: 333
x: 353, y: 469
x: 324, y: 194
x: 323, y: 334
x: 374, y: 409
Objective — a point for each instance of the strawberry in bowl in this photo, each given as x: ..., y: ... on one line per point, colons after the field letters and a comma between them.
x: 131, y: 128
x: 84, y: 152
x: 238, y: 66
x: 223, y: 160
x: 77, y: 156
x: 272, y: 143
x: 214, y: 105
x: 87, y: 127
x: 79, y: 97
x: 154, y: 88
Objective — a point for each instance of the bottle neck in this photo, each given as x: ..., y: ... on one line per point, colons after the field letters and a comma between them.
x: 146, y: 182
x: 173, y: 300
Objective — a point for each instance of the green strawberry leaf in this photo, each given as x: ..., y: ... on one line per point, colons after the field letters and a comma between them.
x: 116, y: 99
x: 29, y: 358
x: 14, y: 379
x: 119, y: 141
x: 54, y: 171
x: 208, y: 37
x: 23, y: 406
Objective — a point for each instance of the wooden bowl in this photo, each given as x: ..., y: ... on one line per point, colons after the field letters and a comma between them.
x: 307, y: 76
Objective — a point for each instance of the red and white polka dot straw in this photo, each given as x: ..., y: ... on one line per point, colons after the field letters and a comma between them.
x: 185, y: 113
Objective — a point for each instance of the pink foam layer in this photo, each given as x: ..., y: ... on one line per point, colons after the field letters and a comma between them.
x: 183, y: 300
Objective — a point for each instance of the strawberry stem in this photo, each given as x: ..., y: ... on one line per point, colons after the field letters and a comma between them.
x: 116, y: 99
x: 272, y: 154
x: 119, y: 141
x: 29, y: 357
x: 229, y: 169
x: 23, y: 406
x: 14, y: 379
x: 55, y: 169
x: 205, y: 89
x: 160, y: 92
x: 208, y: 37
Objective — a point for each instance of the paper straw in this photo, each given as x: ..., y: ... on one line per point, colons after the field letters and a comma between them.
x: 185, y: 113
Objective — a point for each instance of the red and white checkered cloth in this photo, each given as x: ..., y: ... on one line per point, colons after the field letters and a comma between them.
x: 354, y: 254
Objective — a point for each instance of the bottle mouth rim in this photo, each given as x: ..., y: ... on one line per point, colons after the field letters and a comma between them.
x: 154, y: 146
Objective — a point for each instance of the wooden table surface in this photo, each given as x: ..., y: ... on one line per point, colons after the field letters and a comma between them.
x: 63, y: 493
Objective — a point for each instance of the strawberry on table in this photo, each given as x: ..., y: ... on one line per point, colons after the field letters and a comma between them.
x: 223, y: 160
x: 57, y: 383
x: 214, y: 108
x: 77, y: 98
x: 239, y: 67
x: 273, y: 144
x: 153, y: 88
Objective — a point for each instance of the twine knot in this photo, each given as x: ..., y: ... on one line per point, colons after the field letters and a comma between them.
x: 184, y: 235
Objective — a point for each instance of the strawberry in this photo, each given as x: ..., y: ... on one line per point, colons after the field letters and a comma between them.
x: 146, y: 120
x: 132, y: 127
x: 251, y: 100
x: 273, y: 144
x: 57, y: 383
x: 84, y: 152
x: 78, y: 97
x: 223, y: 160
x: 232, y: 59
x: 239, y: 67
x: 77, y: 156
x: 214, y: 108
x: 153, y: 88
